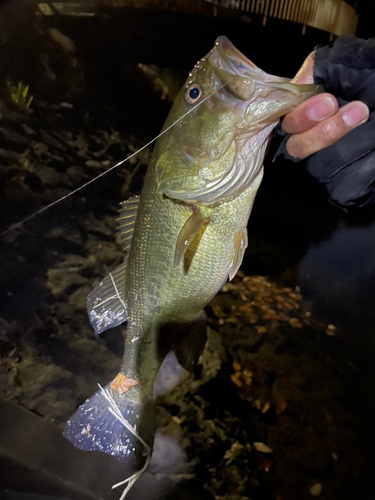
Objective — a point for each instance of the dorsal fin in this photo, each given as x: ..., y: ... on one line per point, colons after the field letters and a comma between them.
x: 106, y: 304
x: 126, y: 221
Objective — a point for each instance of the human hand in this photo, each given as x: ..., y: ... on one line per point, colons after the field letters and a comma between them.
x: 319, y: 122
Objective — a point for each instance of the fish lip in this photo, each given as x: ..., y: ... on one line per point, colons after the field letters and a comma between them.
x: 240, y: 75
x: 227, y: 58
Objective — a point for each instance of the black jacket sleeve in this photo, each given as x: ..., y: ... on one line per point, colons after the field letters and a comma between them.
x: 347, y: 168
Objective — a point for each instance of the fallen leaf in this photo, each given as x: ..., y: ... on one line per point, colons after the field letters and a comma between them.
x: 316, y: 489
x: 279, y: 400
x: 263, y: 448
x: 236, y: 366
x: 330, y: 330
x: 235, y: 378
x: 266, y: 407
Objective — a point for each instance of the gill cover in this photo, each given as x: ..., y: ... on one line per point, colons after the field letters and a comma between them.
x: 217, y: 149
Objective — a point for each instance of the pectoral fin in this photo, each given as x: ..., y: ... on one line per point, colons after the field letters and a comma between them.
x: 106, y: 304
x: 240, y: 245
x: 187, y: 233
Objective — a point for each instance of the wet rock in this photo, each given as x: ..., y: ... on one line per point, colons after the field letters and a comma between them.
x: 11, y: 136
x: 51, y: 141
x: 41, y: 392
x: 95, y: 225
x: 12, y: 155
x: 61, y: 40
x: 105, y: 254
x: 28, y: 130
x: 93, y: 164
x: 47, y: 175
x: 165, y: 82
x: 58, y: 282
x: 67, y: 274
x: 78, y: 298
x: 39, y: 148
x: 69, y: 233
x: 76, y: 174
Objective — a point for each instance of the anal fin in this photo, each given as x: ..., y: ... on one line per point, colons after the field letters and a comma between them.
x: 240, y: 245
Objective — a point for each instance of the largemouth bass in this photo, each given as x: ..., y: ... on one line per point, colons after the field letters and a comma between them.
x: 184, y: 236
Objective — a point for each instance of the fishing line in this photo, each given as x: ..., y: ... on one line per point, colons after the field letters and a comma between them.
x: 43, y: 209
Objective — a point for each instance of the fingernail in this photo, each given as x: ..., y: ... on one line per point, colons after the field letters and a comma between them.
x: 321, y: 108
x: 355, y: 114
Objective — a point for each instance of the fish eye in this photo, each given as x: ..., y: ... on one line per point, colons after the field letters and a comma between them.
x: 193, y: 93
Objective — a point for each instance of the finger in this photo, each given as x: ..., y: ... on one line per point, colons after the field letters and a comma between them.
x: 309, y: 113
x: 328, y: 131
x: 305, y: 73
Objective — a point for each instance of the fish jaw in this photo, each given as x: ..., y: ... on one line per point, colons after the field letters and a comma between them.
x: 245, y: 80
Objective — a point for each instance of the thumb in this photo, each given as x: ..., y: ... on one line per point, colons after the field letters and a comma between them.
x: 305, y: 73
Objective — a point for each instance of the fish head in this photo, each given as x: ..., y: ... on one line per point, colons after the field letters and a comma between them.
x: 217, y: 131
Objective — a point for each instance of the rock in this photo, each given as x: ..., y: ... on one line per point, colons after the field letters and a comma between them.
x: 69, y: 233
x: 62, y: 41
x: 79, y: 297
x: 28, y: 129
x: 93, y: 224
x: 12, y: 155
x: 47, y: 175
x: 165, y: 82
x: 58, y: 282
x: 39, y: 148
x: 51, y: 141
x: 67, y: 274
x: 11, y: 136
x: 76, y: 174
x: 93, y: 164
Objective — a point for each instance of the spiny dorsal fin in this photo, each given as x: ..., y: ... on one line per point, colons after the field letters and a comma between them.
x: 187, y: 233
x: 106, y: 304
x: 240, y: 245
x: 126, y: 221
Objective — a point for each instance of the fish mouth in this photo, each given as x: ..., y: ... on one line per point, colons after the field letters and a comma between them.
x: 243, y: 78
x: 227, y: 58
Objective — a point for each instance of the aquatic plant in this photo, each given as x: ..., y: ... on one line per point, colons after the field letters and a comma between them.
x: 18, y: 93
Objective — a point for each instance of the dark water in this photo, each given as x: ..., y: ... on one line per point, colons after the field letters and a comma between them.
x: 294, y: 233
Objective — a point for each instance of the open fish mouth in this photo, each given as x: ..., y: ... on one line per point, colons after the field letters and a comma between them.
x: 227, y: 58
x: 243, y: 78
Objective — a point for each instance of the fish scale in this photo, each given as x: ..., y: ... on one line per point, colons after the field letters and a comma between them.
x: 184, y: 237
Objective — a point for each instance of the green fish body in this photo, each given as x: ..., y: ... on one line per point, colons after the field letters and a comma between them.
x: 184, y: 236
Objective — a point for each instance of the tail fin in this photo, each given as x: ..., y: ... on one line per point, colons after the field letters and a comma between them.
x: 111, y: 423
